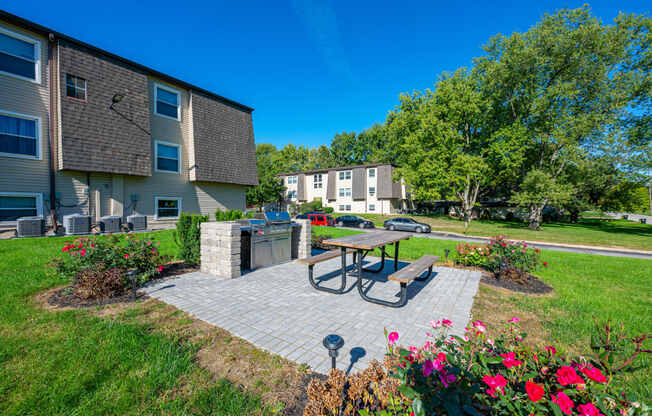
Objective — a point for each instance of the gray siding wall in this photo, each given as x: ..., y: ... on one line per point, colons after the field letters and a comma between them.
x: 301, y: 187
x: 28, y: 98
x: 331, y: 191
x: 384, y: 182
x: 359, y: 179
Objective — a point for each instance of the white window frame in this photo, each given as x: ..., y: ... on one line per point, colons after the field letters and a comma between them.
x: 372, y: 207
x: 39, y: 203
x: 372, y: 191
x: 172, y: 90
x: 177, y: 145
x: 166, y: 198
x: 292, y: 180
x: 85, y: 99
x: 372, y: 170
x: 341, y: 208
x: 39, y: 151
x: 292, y: 194
x: 37, y: 55
x: 348, y: 208
x: 319, y: 182
x: 345, y: 175
x: 344, y: 192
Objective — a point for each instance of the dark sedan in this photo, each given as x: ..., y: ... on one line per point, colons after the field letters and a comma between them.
x: 406, y: 224
x: 353, y: 221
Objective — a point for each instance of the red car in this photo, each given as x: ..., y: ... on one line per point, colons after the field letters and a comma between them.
x: 321, y: 219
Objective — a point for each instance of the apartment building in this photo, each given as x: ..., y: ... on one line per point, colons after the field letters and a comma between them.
x: 85, y: 131
x: 355, y: 189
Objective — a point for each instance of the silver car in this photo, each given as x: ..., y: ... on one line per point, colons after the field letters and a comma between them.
x: 406, y: 224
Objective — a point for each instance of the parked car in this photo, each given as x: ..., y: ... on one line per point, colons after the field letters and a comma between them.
x: 301, y: 217
x: 353, y: 221
x: 321, y: 219
x: 406, y: 224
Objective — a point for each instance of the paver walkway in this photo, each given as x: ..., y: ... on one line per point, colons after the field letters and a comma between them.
x: 275, y: 308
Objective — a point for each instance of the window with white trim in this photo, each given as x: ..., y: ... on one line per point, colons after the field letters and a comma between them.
x: 75, y: 87
x: 168, y: 157
x: 167, y: 102
x: 348, y: 207
x: 20, y: 55
x: 16, y: 205
x: 317, y: 180
x: 292, y: 180
x: 372, y: 207
x: 372, y: 172
x: 167, y: 207
x: 341, y: 208
x: 345, y: 174
x: 345, y: 192
x: 292, y: 194
x: 372, y: 191
x: 19, y: 135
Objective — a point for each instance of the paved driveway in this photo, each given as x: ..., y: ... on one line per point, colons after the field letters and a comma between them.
x: 276, y: 309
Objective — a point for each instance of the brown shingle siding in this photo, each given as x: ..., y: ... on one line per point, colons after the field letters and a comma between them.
x: 94, y: 137
x: 223, y: 142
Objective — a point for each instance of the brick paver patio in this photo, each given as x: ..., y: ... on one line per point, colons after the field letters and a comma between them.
x: 276, y: 309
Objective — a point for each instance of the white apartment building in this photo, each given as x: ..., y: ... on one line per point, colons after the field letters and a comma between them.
x: 364, y: 189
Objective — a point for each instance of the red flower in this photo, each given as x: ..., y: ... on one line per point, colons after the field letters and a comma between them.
x: 496, y: 383
x: 92, y: 244
x: 564, y: 402
x: 441, y: 357
x: 545, y: 263
x: 534, y: 391
x: 588, y: 409
x: 160, y: 269
x: 567, y: 375
x: 593, y: 373
x: 126, y: 256
x: 65, y: 249
x: 83, y: 252
x: 552, y: 350
x: 509, y: 360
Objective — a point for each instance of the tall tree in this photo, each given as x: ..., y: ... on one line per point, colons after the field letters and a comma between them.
x: 269, y: 188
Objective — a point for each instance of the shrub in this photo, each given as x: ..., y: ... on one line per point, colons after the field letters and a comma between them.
x: 472, y: 254
x: 511, y: 258
x: 310, y: 206
x: 99, y: 282
x: 113, y: 253
x: 328, y: 210
x: 228, y: 215
x: 187, y: 236
x: 473, y: 375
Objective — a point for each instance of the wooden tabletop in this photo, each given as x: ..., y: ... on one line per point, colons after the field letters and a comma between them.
x: 368, y: 241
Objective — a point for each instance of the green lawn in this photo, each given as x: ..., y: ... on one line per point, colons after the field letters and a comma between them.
x: 589, y: 231
x: 72, y: 362
x: 585, y: 286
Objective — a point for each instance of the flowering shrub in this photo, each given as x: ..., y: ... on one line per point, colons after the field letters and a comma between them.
x: 477, y: 375
x: 511, y: 256
x: 113, y: 252
x: 472, y: 254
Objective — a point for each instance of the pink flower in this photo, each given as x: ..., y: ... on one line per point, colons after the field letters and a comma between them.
x: 441, y: 357
x: 82, y: 252
x: 552, y: 350
x: 567, y: 375
x: 160, y: 269
x: 588, y: 409
x: 534, y: 391
x: 495, y: 384
x: 65, y: 249
x: 447, y: 378
x: 435, y: 324
x: 438, y: 365
x: 392, y: 337
x: 509, y: 360
x: 593, y: 373
x: 427, y: 368
x: 479, y: 326
x: 412, y: 348
x: 564, y: 402
x: 446, y: 323
x: 514, y: 319
x: 92, y: 244
x: 126, y: 256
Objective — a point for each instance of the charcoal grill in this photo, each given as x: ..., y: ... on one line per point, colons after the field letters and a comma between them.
x: 266, y: 241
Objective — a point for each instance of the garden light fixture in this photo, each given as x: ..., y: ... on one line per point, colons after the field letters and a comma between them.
x: 447, y: 252
x: 131, y: 275
x: 333, y: 342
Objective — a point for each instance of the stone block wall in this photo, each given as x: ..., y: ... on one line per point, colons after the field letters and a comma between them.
x: 304, y: 244
x: 220, y: 249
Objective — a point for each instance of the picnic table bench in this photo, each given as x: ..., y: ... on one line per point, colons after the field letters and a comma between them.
x: 361, y: 245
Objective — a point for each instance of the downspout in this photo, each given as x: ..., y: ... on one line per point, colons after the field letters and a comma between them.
x: 52, y: 70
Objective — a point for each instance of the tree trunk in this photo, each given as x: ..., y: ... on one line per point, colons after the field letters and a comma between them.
x: 536, y: 216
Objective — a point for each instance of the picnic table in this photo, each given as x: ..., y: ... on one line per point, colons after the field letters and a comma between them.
x: 360, y: 245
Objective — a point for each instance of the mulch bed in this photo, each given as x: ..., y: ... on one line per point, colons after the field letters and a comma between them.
x: 65, y: 297
x: 533, y: 285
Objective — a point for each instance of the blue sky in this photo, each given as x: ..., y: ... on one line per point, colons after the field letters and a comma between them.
x: 310, y: 68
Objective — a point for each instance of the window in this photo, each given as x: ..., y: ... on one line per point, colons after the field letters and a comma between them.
x: 167, y: 102
x: 372, y: 207
x: 19, y: 135
x: 318, y: 181
x: 348, y: 207
x: 15, y: 205
x: 167, y: 157
x: 20, y: 56
x: 75, y: 87
x: 372, y: 172
x: 292, y: 180
x: 340, y: 208
x: 345, y: 174
x: 345, y: 192
x: 292, y: 194
x: 167, y: 207
x: 372, y: 191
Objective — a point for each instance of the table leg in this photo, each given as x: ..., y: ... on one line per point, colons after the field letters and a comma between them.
x: 397, y: 304
x: 396, y: 255
x: 382, y: 262
x: 342, y: 287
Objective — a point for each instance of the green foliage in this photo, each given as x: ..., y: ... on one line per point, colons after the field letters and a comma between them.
x: 513, y: 254
x: 328, y: 210
x: 229, y: 215
x: 626, y: 197
x: 538, y: 190
x: 188, y: 237
x: 314, y: 205
x: 472, y: 254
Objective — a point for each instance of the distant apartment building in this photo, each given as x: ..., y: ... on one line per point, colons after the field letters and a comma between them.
x: 355, y: 189
x: 85, y: 131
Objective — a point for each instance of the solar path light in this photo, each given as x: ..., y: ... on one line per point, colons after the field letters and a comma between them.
x: 333, y: 342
